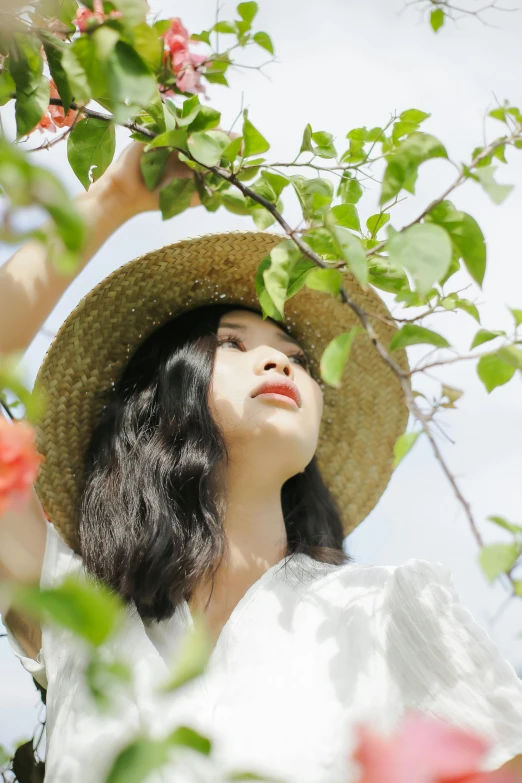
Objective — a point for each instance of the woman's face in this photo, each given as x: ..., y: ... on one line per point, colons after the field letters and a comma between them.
x: 276, y: 434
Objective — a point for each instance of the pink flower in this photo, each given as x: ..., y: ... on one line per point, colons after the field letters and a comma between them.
x: 84, y: 14
x: 19, y: 462
x: 54, y: 117
x: 180, y: 59
x: 424, y: 750
x: 176, y: 37
x: 82, y: 18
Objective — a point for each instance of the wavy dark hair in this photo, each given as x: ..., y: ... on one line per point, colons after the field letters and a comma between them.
x: 149, y: 523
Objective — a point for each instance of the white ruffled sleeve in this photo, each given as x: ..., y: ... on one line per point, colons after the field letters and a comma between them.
x: 446, y: 664
x: 59, y: 560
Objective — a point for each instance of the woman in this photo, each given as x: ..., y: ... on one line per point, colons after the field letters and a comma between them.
x: 196, y: 463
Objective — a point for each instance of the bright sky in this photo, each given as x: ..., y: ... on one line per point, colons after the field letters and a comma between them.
x: 342, y: 64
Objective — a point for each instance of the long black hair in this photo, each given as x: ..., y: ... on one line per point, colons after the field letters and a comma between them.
x: 149, y: 519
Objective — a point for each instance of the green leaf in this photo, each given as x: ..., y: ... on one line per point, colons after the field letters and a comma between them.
x: 25, y: 61
x: 466, y: 236
x: 267, y: 305
x: 496, y: 191
x: 501, y: 522
x: 322, y: 242
x: 148, y: 44
x: 276, y: 278
x: 402, y: 445
x: 103, y: 677
x: 262, y: 218
x: 130, y: 80
x: 206, y: 119
x: 497, y: 559
x: 87, y: 608
x: 136, y: 762
x: 424, y: 250
x: 176, y: 197
x: 306, y: 144
x: 193, y: 655
x: 401, y: 171
x: 254, y: 142
x: 376, y: 222
x: 247, y: 11
x: 517, y: 315
x: 53, y: 48
x: 468, y: 307
x: 264, y: 40
x: 133, y: 11
x: 225, y: 27
x: 80, y: 63
x: 335, y: 356
x: 358, y: 134
x: 346, y: 215
x: 329, y: 281
x: 350, y: 190
x: 494, y: 371
x: 299, y: 275
x: 153, y: 165
x: 511, y: 355
x: 498, y: 114
x: 351, y: 249
x: 171, y: 138
x: 31, y: 106
x: 189, y: 111
x: 437, y: 18
x: 7, y: 86
x: 91, y: 142
x: 411, y: 334
x: 414, y: 115
x: 276, y: 181
x: 484, y: 336
x: 207, y: 146
x: 315, y: 195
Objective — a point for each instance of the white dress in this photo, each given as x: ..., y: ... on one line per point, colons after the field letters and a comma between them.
x: 309, y: 650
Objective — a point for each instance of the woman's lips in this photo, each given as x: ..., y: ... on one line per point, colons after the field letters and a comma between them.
x: 278, y: 397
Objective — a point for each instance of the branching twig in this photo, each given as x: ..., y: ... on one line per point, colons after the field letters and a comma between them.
x: 362, y: 315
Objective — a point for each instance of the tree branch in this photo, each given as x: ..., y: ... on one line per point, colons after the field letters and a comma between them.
x: 361, y: 314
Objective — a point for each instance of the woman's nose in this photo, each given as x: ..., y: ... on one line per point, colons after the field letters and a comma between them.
x: 279, y: 361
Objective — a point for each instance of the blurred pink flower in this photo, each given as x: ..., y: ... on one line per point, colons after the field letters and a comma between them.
x: 424, y: 750
x: 54, y: 117
x: 19, y: 462
x: 84, y: 14
x: 180, y: 59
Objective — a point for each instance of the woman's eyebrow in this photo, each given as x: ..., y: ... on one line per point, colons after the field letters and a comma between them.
x: 282, y: 335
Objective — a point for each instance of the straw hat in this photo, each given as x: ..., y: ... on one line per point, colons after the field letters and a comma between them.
x: 361, y: 420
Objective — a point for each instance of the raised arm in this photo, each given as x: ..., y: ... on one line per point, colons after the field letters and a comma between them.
x: 30, y: 286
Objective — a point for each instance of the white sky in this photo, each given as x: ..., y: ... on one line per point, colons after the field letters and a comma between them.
x: 343, y: 64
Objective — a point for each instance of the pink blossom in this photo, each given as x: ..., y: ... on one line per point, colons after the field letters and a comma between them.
x: 84, y: 14
x: 54, y: 117
x: 176, y: 37
x: 181, y: 60
x: 424, y: 750
x: 19, y: 462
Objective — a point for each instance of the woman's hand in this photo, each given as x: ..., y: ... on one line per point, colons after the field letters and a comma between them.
x: 123, y: 180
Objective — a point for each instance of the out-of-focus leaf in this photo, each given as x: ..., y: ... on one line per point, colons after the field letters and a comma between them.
x: 424, y: 250
x: 401, y: 171
x: 493, y: 371
x: 254, y: 142
x: 91, y: 143
x: 411, y: 334
x: 176, y: 197
x: 402, y: 445
x: 335, y: 356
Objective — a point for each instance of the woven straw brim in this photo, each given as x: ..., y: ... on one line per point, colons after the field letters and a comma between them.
x: 361, y: 420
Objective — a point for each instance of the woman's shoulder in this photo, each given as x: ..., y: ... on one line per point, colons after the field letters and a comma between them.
x: 343, y: 584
